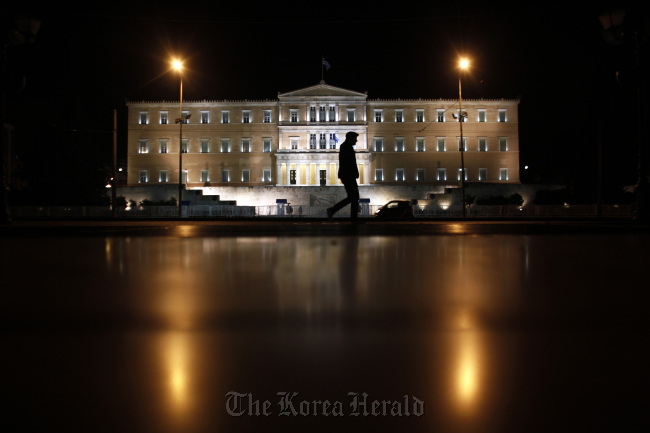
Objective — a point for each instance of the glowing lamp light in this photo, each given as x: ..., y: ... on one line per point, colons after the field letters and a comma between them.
x: 464, y: 63
x: 177, y: 64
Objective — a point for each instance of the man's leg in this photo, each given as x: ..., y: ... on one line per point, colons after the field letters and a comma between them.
x: 352, y: 190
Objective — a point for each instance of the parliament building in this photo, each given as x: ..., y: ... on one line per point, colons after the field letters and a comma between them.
x: 257, y: 152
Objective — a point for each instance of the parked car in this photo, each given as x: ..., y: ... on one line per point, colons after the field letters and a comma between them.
x: 395, y: 209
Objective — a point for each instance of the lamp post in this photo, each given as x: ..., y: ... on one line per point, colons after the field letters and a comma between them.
x: 463, y: 64
x: 179, y: 67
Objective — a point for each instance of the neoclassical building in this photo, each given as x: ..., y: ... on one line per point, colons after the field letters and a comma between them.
x: 249, y: 151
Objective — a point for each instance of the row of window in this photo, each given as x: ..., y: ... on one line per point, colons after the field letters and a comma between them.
x: 400, y: 175
x: 441, y: 115
x: 441, y: 144
x: 163, y: 176
x: 441, y: 175
x: 205, y: 117
x: 163, y: 145
x: 327, y: 114
x: 327, y: 141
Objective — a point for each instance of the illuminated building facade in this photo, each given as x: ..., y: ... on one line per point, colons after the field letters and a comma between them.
x: 250, y: 150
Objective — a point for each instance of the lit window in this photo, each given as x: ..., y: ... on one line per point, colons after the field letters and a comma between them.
x: 164, y: 118
x: 399, y: 144
x: 322, y: 114
x: 332, y: 116
x: 163, y: 146
x: 459, y: 172
x: 378, y: 116
x: 419, y: 115
x: 419, y: 175
x: 399, y: 116
x: 246, y: 116
x: 442, y: 174
x: 294, y: 116
x: 503, y: 174
x: 294, y: 143
x: 267, y: 116
x: 441, y: 144
x: 464, y: 148
x: 186, y: 117
x: 481, y: 115
x: 351, y: 115
x: 322, y: 141
x: 204, y: 176
x: 379, y: 144
x: 333, y: 140
x: 419, y: 144
x: 205, y: 145
x: 142, y: 176
x: 142, y: 146
x: 482, y: 144
x: 266, y: 175
x: 163, y: 176
x: 205, y: 117
x: 312, y: 114
x: 225, y: 117
x: 185, y: 145
x: 245, y: 175
x: 225, y: 146
x: 312, y: 141
x: 502, y: 115
x: 143, y: 118
x: 225, y: 175
x: 503, y: 144
x: 482, y: 174
x: 246, y: 145
x: 399, y: 175
x: 440, y: 115
x: 266, y: 145
x: 379, y: 175
x: 185, y: 177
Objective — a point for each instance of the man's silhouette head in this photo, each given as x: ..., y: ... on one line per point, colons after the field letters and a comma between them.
x: 351, y: 137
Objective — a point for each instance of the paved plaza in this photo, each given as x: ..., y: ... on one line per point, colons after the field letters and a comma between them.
x: 186, y: 326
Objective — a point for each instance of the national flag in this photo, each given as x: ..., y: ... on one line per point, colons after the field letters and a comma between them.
x: 336, y: 139
x: 326, y: 64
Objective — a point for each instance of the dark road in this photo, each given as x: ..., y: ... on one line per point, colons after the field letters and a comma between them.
x: 222, y: 327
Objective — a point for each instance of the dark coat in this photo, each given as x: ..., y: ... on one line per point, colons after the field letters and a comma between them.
x: 347, y: 162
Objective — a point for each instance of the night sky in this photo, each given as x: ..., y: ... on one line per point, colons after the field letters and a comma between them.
x: 88, y: 60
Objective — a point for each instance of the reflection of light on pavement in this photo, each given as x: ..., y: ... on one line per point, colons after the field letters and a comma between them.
x: 186, y: 231
x: 467, y: 375
x: 456, y: 228
x: 176, y: 354
x: 466, y: 362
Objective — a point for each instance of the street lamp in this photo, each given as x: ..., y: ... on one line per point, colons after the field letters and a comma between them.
x: 176, y: 64
x: 463, y: 65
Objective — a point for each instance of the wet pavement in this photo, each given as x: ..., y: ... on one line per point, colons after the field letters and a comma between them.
x: 316, y: 326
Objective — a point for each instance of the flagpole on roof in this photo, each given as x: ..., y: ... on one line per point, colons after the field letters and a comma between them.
x: 322, y: 64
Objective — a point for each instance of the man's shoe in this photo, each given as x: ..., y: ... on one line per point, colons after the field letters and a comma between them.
x: 330, y: 214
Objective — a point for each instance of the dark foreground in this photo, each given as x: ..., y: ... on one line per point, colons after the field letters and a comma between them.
x: 244, y: 327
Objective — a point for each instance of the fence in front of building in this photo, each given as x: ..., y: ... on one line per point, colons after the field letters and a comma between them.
x: 305, y: 211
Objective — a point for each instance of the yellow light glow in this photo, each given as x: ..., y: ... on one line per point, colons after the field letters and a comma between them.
x: 177, y: 64
x: 464, y: 63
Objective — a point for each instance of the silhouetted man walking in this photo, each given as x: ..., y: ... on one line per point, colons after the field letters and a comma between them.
x: 348, y: 173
